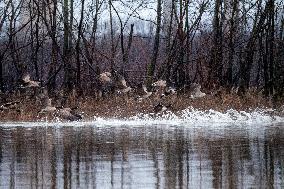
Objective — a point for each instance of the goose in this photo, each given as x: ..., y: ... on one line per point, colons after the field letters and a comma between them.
x: 121, y: 82
x: 143, y: 93
x: 281, y: 111
x: 147, y: 93
x: 170, y: 91
x: 282, y: 108
x: 105, y: 77
x: 9, y: 105
x: 160, y: 83
x: 122, y: 86
x: 196, y: 93
x: 159, y: 108
x: 48, y: 107
x: 68, y: 114
x: 169, y: 97
x: 105, y: 83
x: 27, y: 82
x: 126, y: 90
x: 159, y: 88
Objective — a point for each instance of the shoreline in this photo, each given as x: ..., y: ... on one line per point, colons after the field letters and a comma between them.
x: 190, y: 117
x: 121, y: 107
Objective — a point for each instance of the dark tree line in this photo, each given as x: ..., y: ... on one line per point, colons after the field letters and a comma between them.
x: 66, y: 44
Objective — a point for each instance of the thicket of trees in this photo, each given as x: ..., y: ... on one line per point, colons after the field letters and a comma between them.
x: 67, y: 43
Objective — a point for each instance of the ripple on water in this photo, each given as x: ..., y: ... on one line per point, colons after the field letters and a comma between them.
x: 195, y: 150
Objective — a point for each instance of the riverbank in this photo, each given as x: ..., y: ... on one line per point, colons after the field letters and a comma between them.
x: 124, y: 107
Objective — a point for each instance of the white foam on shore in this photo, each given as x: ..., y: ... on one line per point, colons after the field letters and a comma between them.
x: 187, y: 117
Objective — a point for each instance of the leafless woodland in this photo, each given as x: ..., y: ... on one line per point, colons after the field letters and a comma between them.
x: 66, y: 44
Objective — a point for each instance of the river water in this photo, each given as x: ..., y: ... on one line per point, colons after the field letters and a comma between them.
x: 141, y: 156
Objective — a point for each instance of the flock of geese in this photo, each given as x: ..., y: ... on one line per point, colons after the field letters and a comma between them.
x: 163, y: 95
x: 61, y: 112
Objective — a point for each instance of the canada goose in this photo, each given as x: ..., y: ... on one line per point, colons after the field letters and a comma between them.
x: 195, y: 91
x: 48, y: 108
x: 234, y: 90
x: 121, y: 82
x: 112, y: 82
x: 27, y: 82
x: 159, y: 108
x: 160, y: 83
x: 169, y: 97
x: 121, y: 85
x: 9, y: 105
x: 105, y: 77
x: 281, y: 111
x: 147, y: 93
x: 170, y: 91
x: 282, y: 108
x: 142, y: 92
x: 68, y: 114
x: 125, y: 90
x: 159, y: 88
x: 105, y: 84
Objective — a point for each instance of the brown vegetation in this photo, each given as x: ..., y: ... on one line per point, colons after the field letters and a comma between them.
x: 127, y: 106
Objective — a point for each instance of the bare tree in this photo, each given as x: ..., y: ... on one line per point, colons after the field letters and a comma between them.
x: 68, y: 23
x: 52, y: 12
x: 3, y: 19
x: 233, y: 26
x: 216, y: 59
x: 244, y: 44
x: 78, y: 80
x: 154, y: 56
x: 247, y: 61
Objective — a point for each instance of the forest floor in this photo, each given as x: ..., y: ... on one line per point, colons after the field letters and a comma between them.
x: 124, y: 107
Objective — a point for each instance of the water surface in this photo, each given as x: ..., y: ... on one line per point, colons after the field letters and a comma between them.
x: 139, y: 156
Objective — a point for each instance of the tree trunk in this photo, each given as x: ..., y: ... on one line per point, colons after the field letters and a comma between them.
x: 1, y: 75
x: 126, y: 53
x: 265, y: 66
x: 188, y: 46
x: 2, y: 54
x: 167, y: 67
x: 271, y: 45
x: 69, y: 76
x: 216, y: 60
x: 279, y: 66
x: 246, y: 63
x: 54, y: 54
x: 232, y: 33
x: 35, y: 47
x: 78, y: 46
x: 19, y: 66
x: 112, y: 37
x: 152, y: 65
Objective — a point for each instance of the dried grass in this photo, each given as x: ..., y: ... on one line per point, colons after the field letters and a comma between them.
x: 123, y: 106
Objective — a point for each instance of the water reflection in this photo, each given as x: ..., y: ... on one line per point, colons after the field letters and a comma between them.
x: 141, y: 157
